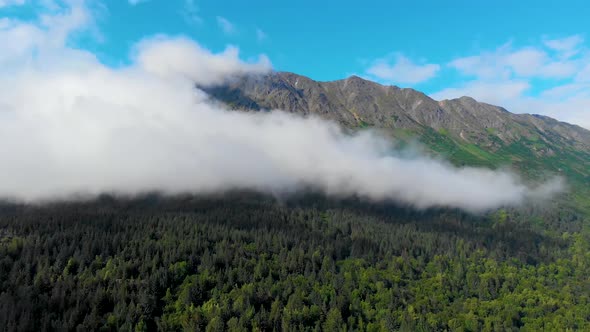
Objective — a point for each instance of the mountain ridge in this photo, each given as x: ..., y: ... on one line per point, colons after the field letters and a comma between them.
x: 462, y: 130
x: 358, y: 96
x: 355, y: 101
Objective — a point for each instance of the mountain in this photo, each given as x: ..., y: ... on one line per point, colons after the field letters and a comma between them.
x: 249, y: 261
x: 463, y: 130
x: 358, y: 102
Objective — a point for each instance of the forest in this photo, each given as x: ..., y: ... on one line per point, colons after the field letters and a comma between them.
x: 252, y: 262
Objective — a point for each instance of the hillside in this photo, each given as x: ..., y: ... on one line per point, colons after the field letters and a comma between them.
x: 247, y: 261
x: 463, y: 130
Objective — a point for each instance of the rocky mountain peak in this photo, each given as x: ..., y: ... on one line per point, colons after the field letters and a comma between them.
x: 358, y: 102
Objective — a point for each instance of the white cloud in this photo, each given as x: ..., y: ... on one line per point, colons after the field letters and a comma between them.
x: 505, y: 62
x: 191, y: 12
x: 569, y: 102
x: 402, y: 71
x: 584, y: 74
x: 136, y: 2
x: 497, y: 93
x: 6, y: 3
x: 550, y: 79
x: 22, y: 41
x: 524, y: 62
x: 167, y: 57
x: 70, y: 124
x: 566, y: 47
x: 226, y: 26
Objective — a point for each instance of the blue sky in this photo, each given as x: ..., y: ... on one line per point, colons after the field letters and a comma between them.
x: 529, y: 56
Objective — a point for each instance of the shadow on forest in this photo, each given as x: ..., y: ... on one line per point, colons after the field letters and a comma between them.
x: 514, y: 239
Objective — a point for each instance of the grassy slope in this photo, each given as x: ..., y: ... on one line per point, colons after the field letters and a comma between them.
x: 520, y: 156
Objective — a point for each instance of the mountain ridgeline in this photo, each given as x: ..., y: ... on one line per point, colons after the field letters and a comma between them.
x: 463, y: 130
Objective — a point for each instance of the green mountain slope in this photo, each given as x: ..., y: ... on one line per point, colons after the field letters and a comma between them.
x: 462, y: 130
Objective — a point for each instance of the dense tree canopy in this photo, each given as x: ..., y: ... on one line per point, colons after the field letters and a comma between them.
x: 248, y: 262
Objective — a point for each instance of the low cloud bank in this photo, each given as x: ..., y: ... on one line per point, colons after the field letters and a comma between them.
x: 72, y: 125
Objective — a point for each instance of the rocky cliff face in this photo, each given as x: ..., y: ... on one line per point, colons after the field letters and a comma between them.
x: 355, y: 102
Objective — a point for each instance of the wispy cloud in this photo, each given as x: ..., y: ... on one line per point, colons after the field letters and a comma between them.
x: 550, y: 78
x: 506, y: 62
x: 191, y: 12
x: 226, y: 26
x: 6, y: 3
x: 567, y: 47
x: 491, y: 92
x: 401, y: 70
x: 136, y: 2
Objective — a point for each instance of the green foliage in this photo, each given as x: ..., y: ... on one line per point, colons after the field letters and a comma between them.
x: 443, y: 132
x: 245, y: 263
x: 535, y: 157
x: 363, y: 124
